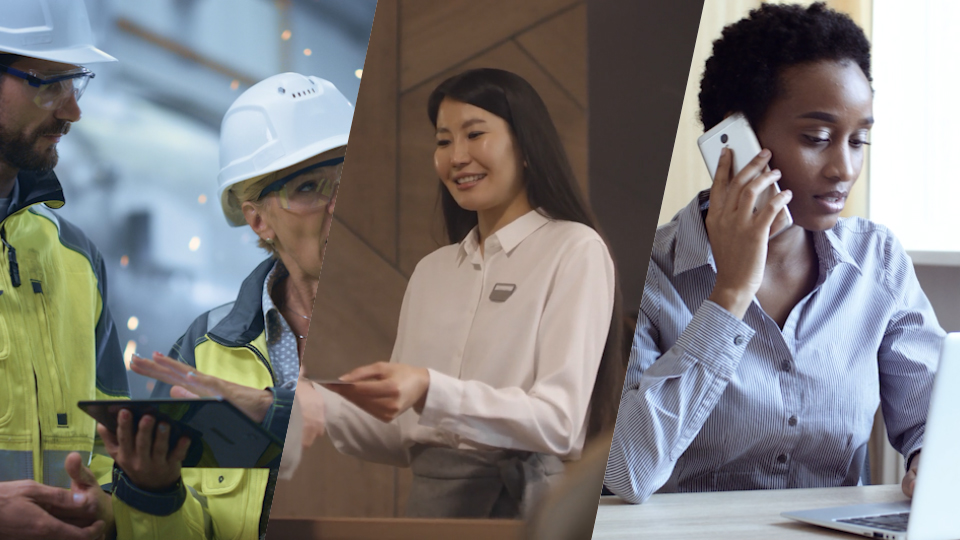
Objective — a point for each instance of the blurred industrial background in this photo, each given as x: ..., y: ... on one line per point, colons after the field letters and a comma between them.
x: 139, y: 172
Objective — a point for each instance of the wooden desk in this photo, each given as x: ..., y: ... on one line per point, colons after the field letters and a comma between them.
x: 393, y: 529
x: 745, y: 515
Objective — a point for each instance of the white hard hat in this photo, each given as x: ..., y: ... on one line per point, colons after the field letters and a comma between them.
x: 54, y: 30
x: 276, y: 123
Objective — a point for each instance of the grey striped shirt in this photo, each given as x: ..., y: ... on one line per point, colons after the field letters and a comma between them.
x: 712, y: 403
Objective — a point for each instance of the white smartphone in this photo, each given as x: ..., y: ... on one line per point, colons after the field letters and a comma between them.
x: 735, y: 133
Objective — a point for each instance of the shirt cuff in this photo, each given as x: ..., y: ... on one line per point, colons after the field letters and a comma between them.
x: 332, y: 405
x: 716, y: 339
x: 911, y: 456
x: 333, y: 417
x: 278, y: 415
x: 444, y: 399
x: 153, y: 503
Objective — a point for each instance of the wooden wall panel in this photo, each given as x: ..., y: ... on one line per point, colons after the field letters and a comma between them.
x: 330, y: 484
x: 373, y: 140
x: 404, y: 479
x: 420, y: 229
x: 437, y: 35
x: 357, y: 308
x: 354, y: 323
x: 418, y: 180
x: 639, y: 60
x: 559, y: 45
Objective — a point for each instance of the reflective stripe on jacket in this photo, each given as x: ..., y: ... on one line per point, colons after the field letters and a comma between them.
x: 58, y: 343
x: 228, y: 342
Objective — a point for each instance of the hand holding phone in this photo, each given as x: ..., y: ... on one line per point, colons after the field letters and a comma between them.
x: 738, y: 231
x: 735, y: 133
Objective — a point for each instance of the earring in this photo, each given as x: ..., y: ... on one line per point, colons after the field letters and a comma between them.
x: 268, y: 240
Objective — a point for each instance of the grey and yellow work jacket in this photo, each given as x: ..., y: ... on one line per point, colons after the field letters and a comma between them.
x: 58, y: 343
x: 228, y: 342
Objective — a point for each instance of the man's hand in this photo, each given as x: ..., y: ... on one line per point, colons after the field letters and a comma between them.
x: 385, y: 390
x: 910, y: 479
x: 85, y: 488
x: 187, y: 382
x: 28, y: 509
x: 146, y: 460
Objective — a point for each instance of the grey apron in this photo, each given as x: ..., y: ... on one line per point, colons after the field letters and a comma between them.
x: 451, y: 483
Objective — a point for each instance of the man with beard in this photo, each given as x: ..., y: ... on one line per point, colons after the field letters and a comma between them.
x: 58, y: 342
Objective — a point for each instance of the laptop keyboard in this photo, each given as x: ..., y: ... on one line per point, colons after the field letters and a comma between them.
x: 889, y: 522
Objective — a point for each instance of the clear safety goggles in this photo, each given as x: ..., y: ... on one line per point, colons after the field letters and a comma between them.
x: 309, y: 188
x: 53, y: 91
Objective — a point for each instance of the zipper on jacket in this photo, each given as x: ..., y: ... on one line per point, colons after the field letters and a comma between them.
x: 266, y: 363
x: 263, y: 359
x: 53, y: 370
x: 38, y: 449
x: 12, y: 257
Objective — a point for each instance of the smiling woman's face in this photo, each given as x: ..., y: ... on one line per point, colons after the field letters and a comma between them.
x: 477, y: 158
x: 817, y: 130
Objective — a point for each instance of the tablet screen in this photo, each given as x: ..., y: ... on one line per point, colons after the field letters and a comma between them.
x: 221, y: 435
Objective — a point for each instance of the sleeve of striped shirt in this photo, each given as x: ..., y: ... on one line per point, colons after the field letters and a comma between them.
x: 908, y: 354
x: 669, y: 394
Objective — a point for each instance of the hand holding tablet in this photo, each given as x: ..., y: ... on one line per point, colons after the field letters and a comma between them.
x: 180, y: 432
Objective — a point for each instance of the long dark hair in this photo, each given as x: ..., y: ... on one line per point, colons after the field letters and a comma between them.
x: 551, y: 187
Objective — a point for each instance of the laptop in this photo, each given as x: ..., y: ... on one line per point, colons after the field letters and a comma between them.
x: 932, y: 515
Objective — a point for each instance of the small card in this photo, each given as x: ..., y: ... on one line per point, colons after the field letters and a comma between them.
x: 329, y: 381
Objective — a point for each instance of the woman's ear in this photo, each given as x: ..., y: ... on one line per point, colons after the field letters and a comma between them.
x: 256, y: 219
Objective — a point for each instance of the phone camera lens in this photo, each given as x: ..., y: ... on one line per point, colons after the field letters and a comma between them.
x: 724, y: 138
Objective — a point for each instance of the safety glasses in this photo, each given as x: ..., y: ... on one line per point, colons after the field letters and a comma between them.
x: 309, y: 188
x: 53, y: 91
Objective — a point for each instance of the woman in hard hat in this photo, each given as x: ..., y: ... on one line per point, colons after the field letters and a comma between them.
x: 282, y: 146
x: 508, y: 354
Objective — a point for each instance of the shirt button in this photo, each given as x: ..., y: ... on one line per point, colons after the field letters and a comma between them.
x: 782, y: 458
x: 792, y: 421
x: 738, y: 341
x: 785, y: 365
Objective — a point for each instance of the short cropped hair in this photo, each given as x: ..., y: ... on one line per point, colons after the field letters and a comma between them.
x: 743, y: 73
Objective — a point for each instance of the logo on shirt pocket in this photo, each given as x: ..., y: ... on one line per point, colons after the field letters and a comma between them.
x: 502, y: 291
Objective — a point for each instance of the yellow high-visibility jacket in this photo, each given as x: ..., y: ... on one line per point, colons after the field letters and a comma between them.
x: 58, y: 343
x: 228, y: 342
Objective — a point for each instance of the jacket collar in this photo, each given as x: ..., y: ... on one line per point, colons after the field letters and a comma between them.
x: 35, y: 188
x: 245, y: 321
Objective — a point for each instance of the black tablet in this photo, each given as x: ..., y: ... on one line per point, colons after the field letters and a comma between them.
x: 221, y: 435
